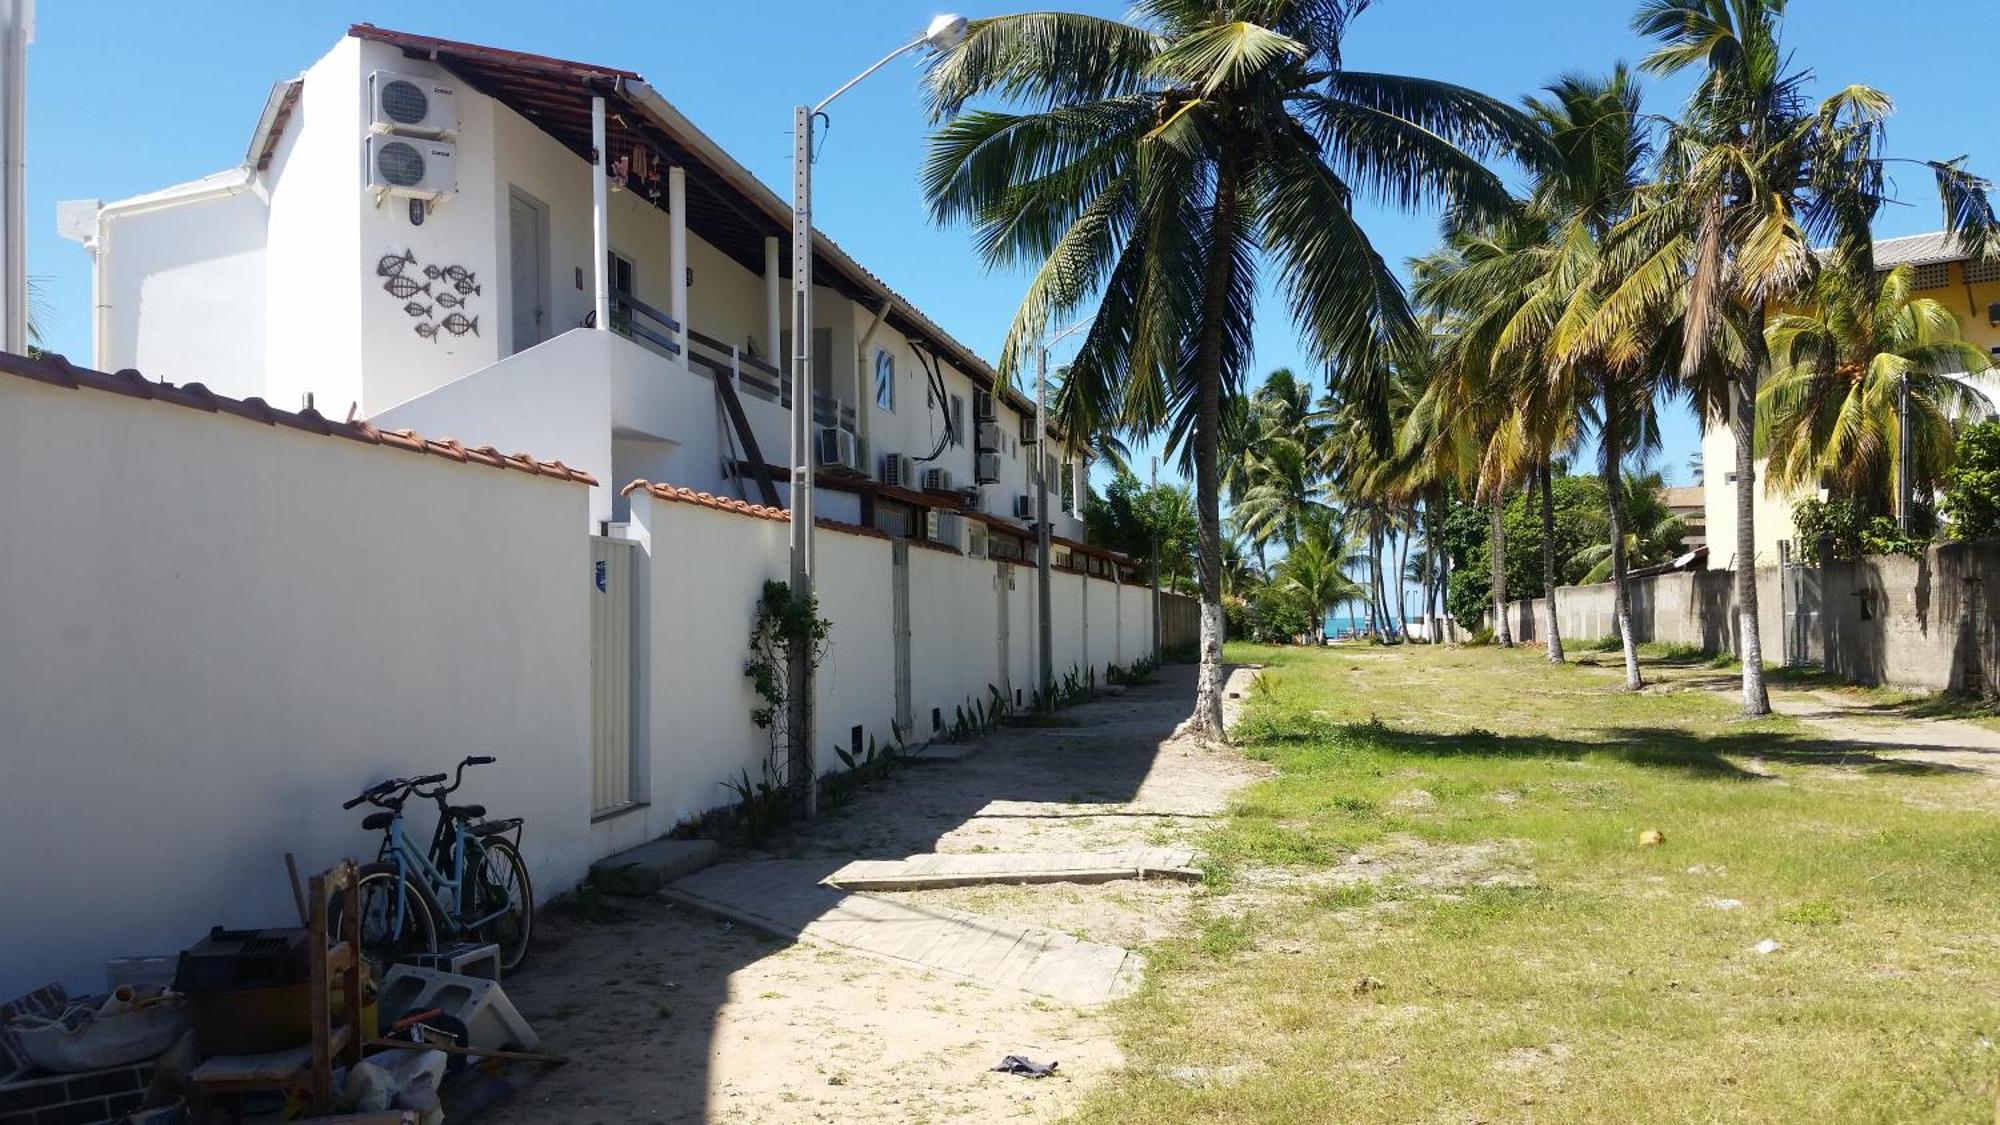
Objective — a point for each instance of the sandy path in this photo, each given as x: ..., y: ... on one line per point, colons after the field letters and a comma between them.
x: 672, y: 1016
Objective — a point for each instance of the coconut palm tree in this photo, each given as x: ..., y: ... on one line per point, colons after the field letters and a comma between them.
x: 1752, y: 176
x: 1845, y: 365
x: 1158, y: 168
x: 1314, y: 569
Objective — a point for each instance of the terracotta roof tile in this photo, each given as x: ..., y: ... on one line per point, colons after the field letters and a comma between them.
x: 60, y: 372
x: 683, y: 495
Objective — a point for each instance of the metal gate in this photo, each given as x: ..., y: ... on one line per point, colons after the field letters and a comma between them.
x: 1799, y: 593
x: 610, y: 675
x: 899, y: 556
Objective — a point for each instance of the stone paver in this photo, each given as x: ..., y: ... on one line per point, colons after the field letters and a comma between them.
x: 788, y: 899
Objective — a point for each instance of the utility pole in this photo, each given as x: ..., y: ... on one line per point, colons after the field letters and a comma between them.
x: 799, y: 759
x: 17, y: 30
x: 1043, y: 626
x: 1905, y: 496
x: 1153, y: 485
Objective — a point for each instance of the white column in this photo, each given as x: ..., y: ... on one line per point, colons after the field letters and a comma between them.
x: 774, y: 307
x: 17, y: 30
x: 600, y: 217
x: 677, y: 247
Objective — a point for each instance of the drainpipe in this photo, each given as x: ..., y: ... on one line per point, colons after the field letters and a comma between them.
x: 677, y: 248
x: 600, y: 217
x: 773, y: 304
x: 17, y: 30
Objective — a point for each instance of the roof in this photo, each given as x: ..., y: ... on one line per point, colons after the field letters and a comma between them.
x: 680, y: 494
x: 727, y: 205
x: 1918, y: 250
x: 56, y: 371
x: 1683, y: 496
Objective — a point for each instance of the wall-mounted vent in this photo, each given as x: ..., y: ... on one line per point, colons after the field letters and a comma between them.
x: 937, y: 480
x: 987, y: 437
x: 411, y: 165
x: 404, y: 103
x: 986, y: 468
x: 836, y: 448
x: 898, y: 470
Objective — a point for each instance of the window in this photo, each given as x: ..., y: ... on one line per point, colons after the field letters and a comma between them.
x: 885, y: 380
x: 1069, y: 486
x: 619, y: 269
x: 957, y: 416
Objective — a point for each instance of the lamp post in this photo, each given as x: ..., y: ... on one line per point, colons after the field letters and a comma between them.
x: 1044, y: 627
x: 944, y: 33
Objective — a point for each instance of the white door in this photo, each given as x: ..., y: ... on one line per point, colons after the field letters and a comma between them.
x: 610, y: 674
x: 527, y: 250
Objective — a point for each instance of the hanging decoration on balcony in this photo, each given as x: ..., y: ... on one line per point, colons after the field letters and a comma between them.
x: 446, y: 286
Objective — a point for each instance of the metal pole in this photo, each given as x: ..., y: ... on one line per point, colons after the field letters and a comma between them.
x: 677, y: 249
x: 600, y: 217
x: 18, y: 32
x: 1154, y: 485
x: 1044, y: 629
x: 799, y: 677
x: 1904, y: 495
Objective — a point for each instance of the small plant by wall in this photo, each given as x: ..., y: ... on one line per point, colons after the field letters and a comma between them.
x: 785, y: 625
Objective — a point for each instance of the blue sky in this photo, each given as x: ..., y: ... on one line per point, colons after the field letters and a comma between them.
x: 129, y: 96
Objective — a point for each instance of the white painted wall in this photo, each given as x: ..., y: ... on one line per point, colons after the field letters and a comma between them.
x: 213, y: 631
x: 185, y: 288
x: 1773, y: 509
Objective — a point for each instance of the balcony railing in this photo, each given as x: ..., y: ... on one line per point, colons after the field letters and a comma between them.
x: 641, y: 321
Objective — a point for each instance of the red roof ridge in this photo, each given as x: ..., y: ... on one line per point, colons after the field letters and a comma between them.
x: 681, y: 494
x: 57, y: 371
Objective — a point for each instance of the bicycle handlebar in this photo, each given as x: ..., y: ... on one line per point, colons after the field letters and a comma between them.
x: 374, y: 794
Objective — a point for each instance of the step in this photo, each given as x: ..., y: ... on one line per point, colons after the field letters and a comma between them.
x: 645, y: 869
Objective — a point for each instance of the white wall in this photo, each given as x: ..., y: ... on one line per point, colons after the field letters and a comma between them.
x: 213, y: 631
x: 185, y: 288
x: 1773, y: 510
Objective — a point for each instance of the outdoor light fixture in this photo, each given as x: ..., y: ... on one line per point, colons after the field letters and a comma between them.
x: 944, y: 33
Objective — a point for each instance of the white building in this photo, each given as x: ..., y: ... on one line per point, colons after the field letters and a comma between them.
x: 411, y: 240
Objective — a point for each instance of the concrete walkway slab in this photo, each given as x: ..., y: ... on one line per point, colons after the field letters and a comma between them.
x: 937, y: 870
x: 648, y: 867
x: 787, y: 898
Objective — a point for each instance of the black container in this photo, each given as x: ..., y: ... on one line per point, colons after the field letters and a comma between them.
x: 229, y: 960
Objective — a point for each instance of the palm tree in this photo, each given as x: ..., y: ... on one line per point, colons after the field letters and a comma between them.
x: 1651, y: 533
x: 1753, y: 175
x: 1160, y: 167
x: 1847, y: 365
x: 1314, y: 570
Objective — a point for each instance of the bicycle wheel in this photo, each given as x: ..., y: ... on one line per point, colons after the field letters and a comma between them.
x: 502, y: 880
x: 396, y: 922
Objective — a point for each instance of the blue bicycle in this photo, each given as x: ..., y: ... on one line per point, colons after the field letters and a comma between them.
x: 469, y: 885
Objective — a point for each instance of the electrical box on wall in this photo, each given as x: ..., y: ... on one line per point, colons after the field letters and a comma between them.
x: 403, y: 103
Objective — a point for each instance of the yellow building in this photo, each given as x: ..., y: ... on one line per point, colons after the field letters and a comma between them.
x: 1945, y: 274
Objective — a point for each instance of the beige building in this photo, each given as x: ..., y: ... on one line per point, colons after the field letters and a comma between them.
x: 1690, y: 503
x: 1945, y: 274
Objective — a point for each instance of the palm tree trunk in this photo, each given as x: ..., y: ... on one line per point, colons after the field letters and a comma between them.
x: 1614, y: 502
x: 1742, y: 427
x: 1375, y: 611
x: 1549, y: 562
x: 1502, y: 632
x: 1402, y: 593
x: 1206, y: 721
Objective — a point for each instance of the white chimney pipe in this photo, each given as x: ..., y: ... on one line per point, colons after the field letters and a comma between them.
x: 17, y: 30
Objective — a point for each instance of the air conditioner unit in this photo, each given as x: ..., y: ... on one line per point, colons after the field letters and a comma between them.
x: 1024, y: 506
x: 982, y: 406
x: 404, y: 103
x: 411, y: 165
x: 975, y: 544
x: 987, y: 437
x: 986, y: 468
x: 898, y: 470
x: 836, y: 448
x: 937, y: 480
x: 945, y: 528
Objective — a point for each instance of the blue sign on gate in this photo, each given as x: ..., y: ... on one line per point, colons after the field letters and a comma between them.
x: 600, y: 576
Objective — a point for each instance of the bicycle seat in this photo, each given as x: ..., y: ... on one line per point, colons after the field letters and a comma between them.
x: 376, y: 820
x: 495, y: 827
x: 466, y: 811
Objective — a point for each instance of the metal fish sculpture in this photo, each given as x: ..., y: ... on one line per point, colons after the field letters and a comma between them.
x: 405, y: 287
x: 392, y: 264
x: 449, y: 300
x: 467, y: 288
x: 428, y: 331
x: 433, y: 272
x: 415, y: 309
x: 458, y: 273
x: 458, y: 324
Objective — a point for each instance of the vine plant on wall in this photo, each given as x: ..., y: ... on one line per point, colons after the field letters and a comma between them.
x: 783, y: 625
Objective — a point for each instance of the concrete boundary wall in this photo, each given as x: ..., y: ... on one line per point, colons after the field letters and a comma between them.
x: 1925, y: 623
x: 213, y: 631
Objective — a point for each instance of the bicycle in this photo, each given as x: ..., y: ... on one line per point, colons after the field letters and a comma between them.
x: 471, y: 879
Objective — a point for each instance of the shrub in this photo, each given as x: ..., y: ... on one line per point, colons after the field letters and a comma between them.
x: 1849, y: 531
x: 1972, y: 488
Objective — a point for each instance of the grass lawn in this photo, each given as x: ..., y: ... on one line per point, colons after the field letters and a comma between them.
x: 1438, y: 909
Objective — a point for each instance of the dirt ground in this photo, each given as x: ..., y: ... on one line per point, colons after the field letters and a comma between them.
x: 672, y: 1016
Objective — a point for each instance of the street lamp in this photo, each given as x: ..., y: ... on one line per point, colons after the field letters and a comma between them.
x: 1044, y: 630
x: 944, y: 33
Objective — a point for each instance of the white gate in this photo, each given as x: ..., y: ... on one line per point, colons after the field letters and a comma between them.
x: 1003, y: 581
x: 899, y: 555
x: 610, y: 675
